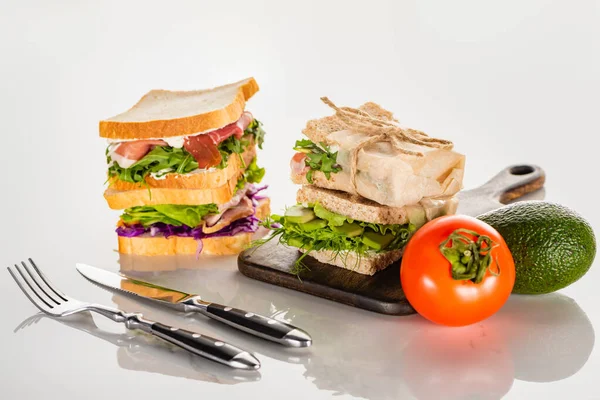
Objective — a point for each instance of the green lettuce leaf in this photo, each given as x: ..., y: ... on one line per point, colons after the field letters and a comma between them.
x: 172, y: 214
x: 293, y: 234
x: 162, y: 160
x: 318, y: 158
x: 252, y: 174
x: 255, y: 129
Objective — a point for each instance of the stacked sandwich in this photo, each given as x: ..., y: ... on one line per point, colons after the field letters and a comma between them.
x: 368, y: 184
x: 182, y: 166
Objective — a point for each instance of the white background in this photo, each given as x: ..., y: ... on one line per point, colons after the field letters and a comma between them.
x: 509, y: 82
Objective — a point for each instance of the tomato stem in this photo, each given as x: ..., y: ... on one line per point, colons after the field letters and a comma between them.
x: 469, y: 254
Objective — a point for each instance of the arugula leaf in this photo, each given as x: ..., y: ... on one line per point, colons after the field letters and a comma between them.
x: 255, y: 129
x: 293, y: 234
x: 162, y: 160
x: 252, y: 174
x: 318, y: 158
x: 231, y: 145
x: 172, y: 214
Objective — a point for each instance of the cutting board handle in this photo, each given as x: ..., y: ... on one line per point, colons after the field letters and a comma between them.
x: 514, y: 182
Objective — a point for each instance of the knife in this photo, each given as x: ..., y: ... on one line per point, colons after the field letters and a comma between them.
x: 263, y: 327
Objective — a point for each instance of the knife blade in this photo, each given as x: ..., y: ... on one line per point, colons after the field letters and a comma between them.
x: 255, y: 324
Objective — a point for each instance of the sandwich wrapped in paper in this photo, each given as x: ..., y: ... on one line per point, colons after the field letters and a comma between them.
x: 365, y: 151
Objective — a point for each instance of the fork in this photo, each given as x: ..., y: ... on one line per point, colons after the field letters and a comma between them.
x: 45, y: 296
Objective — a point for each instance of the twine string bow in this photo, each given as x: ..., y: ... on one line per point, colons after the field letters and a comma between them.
x: 378, y: 131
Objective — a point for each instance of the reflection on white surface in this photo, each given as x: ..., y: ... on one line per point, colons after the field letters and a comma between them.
x: 367, y: 355
x: 141, y: 352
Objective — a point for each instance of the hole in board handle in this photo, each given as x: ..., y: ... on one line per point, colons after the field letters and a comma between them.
x: 521, y: 170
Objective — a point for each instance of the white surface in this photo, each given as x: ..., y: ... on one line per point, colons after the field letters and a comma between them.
x: 509, y: 82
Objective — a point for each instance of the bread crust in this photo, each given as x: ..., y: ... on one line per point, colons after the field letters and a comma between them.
x: 215, y: 119
x: 361, y: 209
x: 161, y: 246
x: 201, y: 180
x: 367, y: 264
x: 121, y: 199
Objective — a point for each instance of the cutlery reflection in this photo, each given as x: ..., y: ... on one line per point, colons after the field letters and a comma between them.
x: 258, y: 346
x: 144, y: 353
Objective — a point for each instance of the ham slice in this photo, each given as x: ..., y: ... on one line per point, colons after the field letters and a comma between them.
x: 128, y: 153
x: 243, y: 209
x: 212, y: 219
x: 204, y: 147
x: 298, y: 164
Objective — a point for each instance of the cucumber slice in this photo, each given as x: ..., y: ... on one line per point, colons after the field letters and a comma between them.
x: 350, y: 230
x: 313, y: 225
x: 377, y: 241
x: 299, y: 215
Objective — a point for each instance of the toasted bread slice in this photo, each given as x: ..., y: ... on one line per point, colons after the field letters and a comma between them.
x: 147, y: 245
x: 361, y: 209
x: 121, y: 199
x: 200, y: 179
x: 163, y: 113
x: 367, y: 264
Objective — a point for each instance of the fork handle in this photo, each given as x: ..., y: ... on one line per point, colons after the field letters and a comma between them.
x: 205, y: 346
x: 202, y: 345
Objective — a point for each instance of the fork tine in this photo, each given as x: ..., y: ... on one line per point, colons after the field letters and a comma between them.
x: 31, y: 295
x: 41, y: 285
x: 47, y: 282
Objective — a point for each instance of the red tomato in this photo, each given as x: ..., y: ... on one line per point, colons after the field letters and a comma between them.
x: 426, y: 274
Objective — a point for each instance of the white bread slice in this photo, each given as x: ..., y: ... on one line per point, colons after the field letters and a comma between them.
x: 163, y: 113
x: 147, y: 245
x: 121, y: 199
x: 367, y: 264
x: 361, y: 209
x: 200, y: 179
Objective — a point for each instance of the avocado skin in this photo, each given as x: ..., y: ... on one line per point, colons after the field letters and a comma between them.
x: 552, y: 245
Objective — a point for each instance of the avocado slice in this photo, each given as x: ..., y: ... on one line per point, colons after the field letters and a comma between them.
x: 294, y: 241
x: 377, y: 241
x: 313, y: 225
x: 350, y: 230
x: 333, y: 218
x: 299, y: 215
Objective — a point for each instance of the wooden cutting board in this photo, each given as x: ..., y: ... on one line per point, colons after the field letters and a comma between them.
x: 381, y: 292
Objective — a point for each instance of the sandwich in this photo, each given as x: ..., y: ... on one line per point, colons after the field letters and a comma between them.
x: 182, y: 166
x: 367, y: 185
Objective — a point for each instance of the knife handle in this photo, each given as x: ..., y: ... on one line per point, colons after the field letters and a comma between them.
x: 258, y: 325
x: 205, y: 346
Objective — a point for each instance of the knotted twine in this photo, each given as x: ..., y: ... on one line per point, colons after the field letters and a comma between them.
x: 378, y: 130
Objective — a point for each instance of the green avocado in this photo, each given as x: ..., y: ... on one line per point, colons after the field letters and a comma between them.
x: 299, y: 215
x: 350, y: 230
x: 552, y: 245
x: 377, y: 241
x: 313, y: 225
